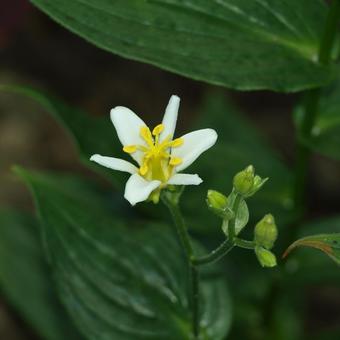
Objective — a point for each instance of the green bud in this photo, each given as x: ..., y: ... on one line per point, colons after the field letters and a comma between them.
x: 218, y: 203
x: 244, y: 180
x: 266, y: 232
x: 265, y: 257
x: 216, y: 200
x: 258, y: 183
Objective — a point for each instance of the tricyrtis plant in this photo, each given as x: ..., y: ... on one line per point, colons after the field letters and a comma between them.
x: 115, y: 264
x: 160, y: 158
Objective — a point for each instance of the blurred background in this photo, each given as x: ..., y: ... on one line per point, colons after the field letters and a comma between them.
x: 36, y: 51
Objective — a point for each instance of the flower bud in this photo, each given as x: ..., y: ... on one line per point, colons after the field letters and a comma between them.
x: 218, y: 203
x: 244, y: 180
x: 265, y: 257
x: 258, y: 184
x: 266, y: 232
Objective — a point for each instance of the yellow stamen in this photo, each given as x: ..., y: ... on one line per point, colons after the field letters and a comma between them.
x: 157, y: 162
x: 158, y: 129
x: 146, y: 135
x: 144, y: 169
x: 177, y: 142
x: 130, y: 148
x: 175, y: 161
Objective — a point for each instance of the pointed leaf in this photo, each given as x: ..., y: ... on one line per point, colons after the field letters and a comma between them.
x: 119, y: 279
x: 241, y: 44
x: 327, y: 243
x: 90, y: 134
x: 310, y: 266
x: 25, y: 279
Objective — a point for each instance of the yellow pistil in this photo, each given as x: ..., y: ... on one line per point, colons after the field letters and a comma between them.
x: 157, y: 162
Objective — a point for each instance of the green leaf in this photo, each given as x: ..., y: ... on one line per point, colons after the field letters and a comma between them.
x: 237, y: 146
x: 242, y: 216
x: 325, y: 137
x: 241, y: 44
x: 119, y: 279
x: 89, y: 134
x: 25, y: 279
x: 310, y: 266
x: 327, y: 243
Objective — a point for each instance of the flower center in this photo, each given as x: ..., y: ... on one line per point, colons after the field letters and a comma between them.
x: 157, y: 162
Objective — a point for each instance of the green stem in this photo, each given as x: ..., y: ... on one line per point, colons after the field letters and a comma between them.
x: 188, y: 250
x: 232, y: 222
x: 195, y: 289
x: 181, y: 229
x: 311, y: 107
x: 244, y: 243
x: 215, y: 255
x: 222, y: 250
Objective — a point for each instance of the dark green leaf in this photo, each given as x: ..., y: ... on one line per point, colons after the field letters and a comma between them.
x: 325, y: 137
x: 119, y: 282
x: 90, y: 134
x: 26, y: 280
x: 241, y: 44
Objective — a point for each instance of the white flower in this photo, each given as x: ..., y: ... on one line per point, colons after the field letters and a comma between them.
x: 160, y: 158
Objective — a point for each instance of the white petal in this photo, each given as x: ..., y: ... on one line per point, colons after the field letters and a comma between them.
x: 114, y: 163
x: 170, y: 118
x: 195, y: 143
x: 137, y: 189
x: 128, y: 125
x: 185, y: 179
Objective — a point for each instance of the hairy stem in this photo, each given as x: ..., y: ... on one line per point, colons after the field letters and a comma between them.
x: 184, y: 238
x: 181, y: 229
x: 244, y: 243
x: 215, y: 255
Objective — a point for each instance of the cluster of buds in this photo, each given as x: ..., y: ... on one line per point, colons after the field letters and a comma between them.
x: 245, y: 184
x: 265, y: 236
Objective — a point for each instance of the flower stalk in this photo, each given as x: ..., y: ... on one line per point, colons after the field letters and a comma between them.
x: 171, y: 200
x: 215, y: 255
